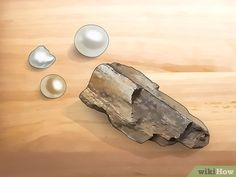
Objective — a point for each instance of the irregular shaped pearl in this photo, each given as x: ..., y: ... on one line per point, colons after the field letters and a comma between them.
x: 91, y: 40
x: 53, y: 86
x: 41, y: 58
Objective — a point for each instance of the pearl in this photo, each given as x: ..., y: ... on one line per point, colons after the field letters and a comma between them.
x: 41, y: 58
x: 53, y: 86
x: 91, y: 40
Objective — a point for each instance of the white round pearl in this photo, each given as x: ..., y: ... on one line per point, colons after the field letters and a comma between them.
x: 53, y: 86
x: 91, y: 40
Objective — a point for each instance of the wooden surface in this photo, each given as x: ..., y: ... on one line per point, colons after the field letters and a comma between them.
x: 187, y: 47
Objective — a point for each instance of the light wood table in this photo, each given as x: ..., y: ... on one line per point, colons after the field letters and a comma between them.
x: 187, y: 47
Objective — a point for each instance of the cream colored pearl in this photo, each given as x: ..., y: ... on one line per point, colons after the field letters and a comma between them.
x: 91, y: 40
x: 53, y: 86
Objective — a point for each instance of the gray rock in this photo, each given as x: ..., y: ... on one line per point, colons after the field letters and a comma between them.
x: 135, y: 106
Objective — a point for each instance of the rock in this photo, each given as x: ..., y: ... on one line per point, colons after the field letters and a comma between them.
x: 135, y: 106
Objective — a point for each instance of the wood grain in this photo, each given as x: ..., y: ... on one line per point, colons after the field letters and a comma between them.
x: 187, y: 47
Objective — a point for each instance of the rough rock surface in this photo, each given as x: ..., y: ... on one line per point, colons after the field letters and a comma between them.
x: 135, y: 105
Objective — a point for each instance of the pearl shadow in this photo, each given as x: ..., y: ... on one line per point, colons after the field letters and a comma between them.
x: 75, y: 55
